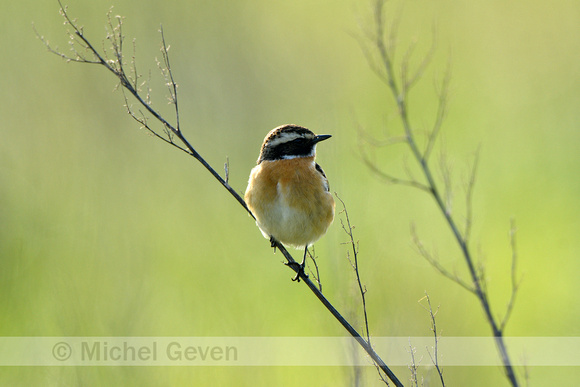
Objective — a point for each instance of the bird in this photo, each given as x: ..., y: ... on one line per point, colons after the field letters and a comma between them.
x: 288, y: 192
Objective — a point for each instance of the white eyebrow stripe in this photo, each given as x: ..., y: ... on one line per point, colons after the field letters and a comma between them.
x: 284, y: 137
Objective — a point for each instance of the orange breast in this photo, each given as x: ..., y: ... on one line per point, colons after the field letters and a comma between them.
x: 289, y: 200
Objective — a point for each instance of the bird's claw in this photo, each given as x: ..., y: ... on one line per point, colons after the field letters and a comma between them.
x: 299, y: 267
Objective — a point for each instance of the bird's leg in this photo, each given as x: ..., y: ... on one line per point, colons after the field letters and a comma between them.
x: 301, y: 266
x: 273, y: 242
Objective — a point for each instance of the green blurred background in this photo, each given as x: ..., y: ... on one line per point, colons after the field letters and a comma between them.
x: 105, y: 231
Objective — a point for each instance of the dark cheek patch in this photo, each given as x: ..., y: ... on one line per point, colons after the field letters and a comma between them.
x: 292, y: 148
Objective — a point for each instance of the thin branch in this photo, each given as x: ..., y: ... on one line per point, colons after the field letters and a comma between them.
x: 143, y: 121
x: 443, y: 98
x: 435, y: 356
x: 348, y: 229
x: 168, y: 74
x: 375, y: 66
x: 116, y: 67
x: 445, y: 170
x: 514, y: 282
x: 435, y: 262
x: 392, y: 179
x: 368, y: 139
x: 469, y: 197
x: 362, y: 342
x: 408, y: 82
x: 392, y: 39
x: 413, y: 367
x: 477, y: 276
x: 134, y: 71
x: 316, y: 272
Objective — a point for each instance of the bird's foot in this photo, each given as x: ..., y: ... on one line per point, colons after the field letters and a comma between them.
x: 299, y: 268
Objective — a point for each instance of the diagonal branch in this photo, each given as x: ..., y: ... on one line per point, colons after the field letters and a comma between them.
x: 436, y: 264
x: 477, y: 285
x: 390, y: 178
x: 128, y: 85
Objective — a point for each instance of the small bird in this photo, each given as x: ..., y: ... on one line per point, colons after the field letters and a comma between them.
x: 288, y: 192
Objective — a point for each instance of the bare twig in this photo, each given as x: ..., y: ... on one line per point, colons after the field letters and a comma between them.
x: 348, y: 229
x: 445, y: 170
x: 362, y: 342
x: 173, y: 133
x: 168, y: 75
x: 469, y: 198
x: 392, y: 179
x: 407, y: 81
x: 514, y: 282
x: 435, y: 355
x: 368, y: 139
x: 443, y: 97
x: 316, y: 272
x: 476, y: 285
x: 414, y: 365
x: 435, y: 262
x: 116, y: 67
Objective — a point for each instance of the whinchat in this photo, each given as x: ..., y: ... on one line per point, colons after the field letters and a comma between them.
x: 288, y: 192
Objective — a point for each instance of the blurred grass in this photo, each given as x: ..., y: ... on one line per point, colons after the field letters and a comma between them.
x: 104, y: 231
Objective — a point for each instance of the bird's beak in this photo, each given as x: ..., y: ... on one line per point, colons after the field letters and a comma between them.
x: 321, y: 137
